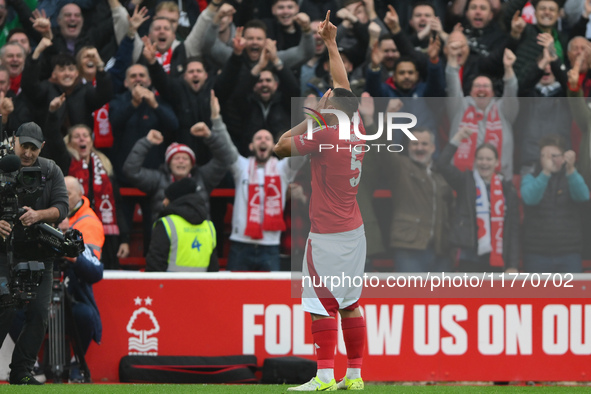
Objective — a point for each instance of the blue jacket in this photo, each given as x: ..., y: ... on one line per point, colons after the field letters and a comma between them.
x: 80, y: 276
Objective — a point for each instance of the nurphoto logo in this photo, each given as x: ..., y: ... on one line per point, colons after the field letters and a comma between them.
x: 348, y: 133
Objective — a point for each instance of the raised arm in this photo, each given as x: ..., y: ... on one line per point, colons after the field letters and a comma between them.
x: 328, y: 32
x: 510, y: 104
x: 145, y: 179
x: 219, y: 142
x: 453, y: 176
x: 31, y: 79
x: 55, y: 147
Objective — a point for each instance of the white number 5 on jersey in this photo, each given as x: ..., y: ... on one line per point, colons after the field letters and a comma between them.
x: 355, y: 165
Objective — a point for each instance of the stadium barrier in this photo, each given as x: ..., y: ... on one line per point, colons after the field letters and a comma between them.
x: 517, y: 330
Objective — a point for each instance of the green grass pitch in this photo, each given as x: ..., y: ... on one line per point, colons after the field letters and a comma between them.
x: 263, y: 389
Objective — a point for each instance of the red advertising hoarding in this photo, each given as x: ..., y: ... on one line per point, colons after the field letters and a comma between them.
x: 450, y: 337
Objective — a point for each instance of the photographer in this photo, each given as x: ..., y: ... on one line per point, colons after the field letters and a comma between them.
x: 83, y: 271
x: 51, y: 207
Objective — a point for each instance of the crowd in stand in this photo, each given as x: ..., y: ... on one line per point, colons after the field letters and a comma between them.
x: 149, y: 94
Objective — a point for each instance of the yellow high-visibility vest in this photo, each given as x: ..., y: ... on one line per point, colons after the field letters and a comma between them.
x: 191, y: 245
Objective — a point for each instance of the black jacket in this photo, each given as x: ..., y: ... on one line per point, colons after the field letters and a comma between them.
x: 464, y: 230
x: 192, y: 107
x: 247, y: 114
x: 476, y: 63
x: 192, y: 208
x: 284, y: 40
x: 100, y: 35
x: 54, y: 194
x: 130, y: 124
x: 22, y: 112
x: 177, y: 61
x: 80, y: 103
x: 528, y: 50
x: 541, y: 113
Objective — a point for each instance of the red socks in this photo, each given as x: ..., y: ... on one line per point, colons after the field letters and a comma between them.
x: 324, y: 332
x: 354, y: 336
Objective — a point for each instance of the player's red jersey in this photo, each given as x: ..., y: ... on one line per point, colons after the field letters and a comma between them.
x: 335, y: 178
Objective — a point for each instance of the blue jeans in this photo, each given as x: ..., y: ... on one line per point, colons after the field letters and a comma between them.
x: 253, y: 257
x: 411, y: 260
x: 560, y: 263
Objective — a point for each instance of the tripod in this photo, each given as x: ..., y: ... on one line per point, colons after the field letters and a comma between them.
x: 61, y: 322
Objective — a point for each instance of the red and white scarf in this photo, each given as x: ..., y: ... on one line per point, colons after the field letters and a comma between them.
x: 164, y: 59
x: 464, y: 157
x: 490, y: 218
x: 102, y: 130
x: 272, y: 214
x: 104, y: 200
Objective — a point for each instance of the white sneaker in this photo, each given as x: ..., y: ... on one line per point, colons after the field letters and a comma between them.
x: 316, y: 385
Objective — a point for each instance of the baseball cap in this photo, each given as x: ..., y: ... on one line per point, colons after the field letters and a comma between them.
x: 180, y: 188
x: 30, y: 132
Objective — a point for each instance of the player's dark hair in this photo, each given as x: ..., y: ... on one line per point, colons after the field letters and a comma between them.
x: 62, y: 60
x: 346, y: 101
x: 256, y: 24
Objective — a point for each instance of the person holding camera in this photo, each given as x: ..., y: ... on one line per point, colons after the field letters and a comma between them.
x: 553, y: 221
x: 83, y: 271
x: 51, y: 206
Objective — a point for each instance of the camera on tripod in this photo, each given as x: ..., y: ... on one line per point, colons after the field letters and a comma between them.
x: 29, y: 245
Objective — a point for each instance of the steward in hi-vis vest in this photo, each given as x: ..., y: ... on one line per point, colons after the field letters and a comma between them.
x: 183, y: 239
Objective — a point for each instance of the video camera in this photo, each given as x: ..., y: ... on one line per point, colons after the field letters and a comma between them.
x: 22, y: 187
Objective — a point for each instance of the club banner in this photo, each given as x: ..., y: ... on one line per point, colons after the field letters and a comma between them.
x: 460, y: 338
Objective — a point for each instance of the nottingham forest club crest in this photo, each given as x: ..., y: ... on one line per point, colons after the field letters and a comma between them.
x: 143, y: 325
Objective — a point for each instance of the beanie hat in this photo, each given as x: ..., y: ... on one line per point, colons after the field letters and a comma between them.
x: 175, y: 148
x: 180, y: 188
